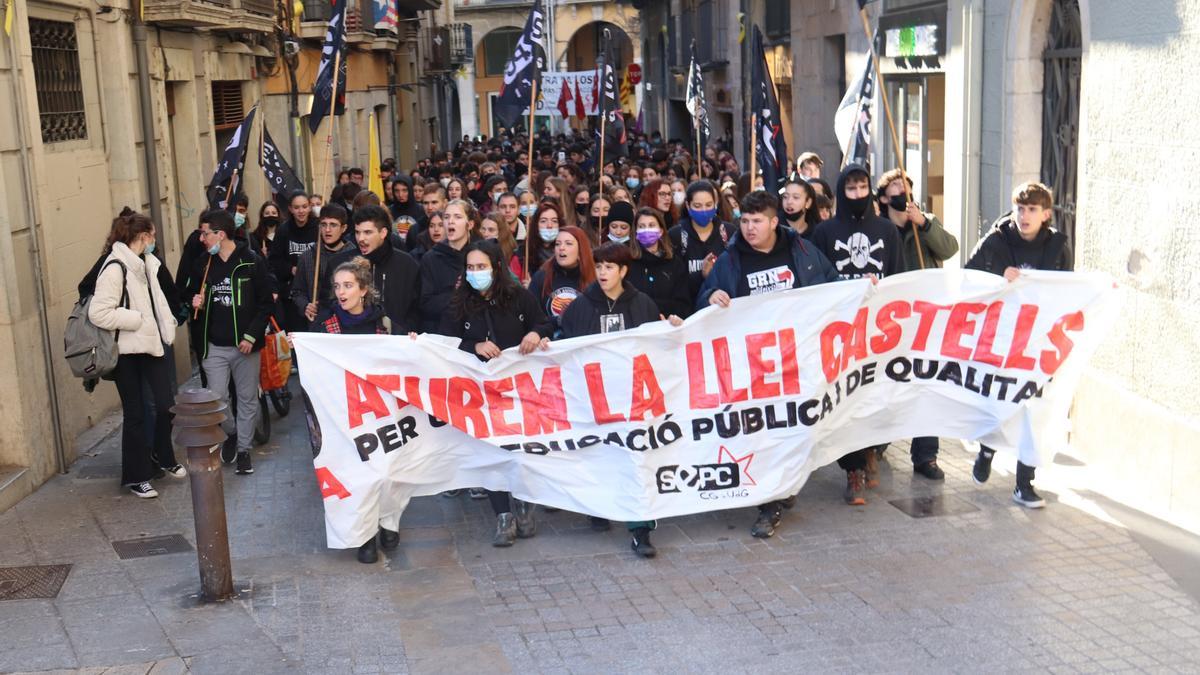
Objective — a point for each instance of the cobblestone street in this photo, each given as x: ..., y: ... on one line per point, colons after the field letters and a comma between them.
x: 986, y: 587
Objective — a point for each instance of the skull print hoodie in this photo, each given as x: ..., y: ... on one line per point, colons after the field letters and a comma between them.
x: 856, y: 240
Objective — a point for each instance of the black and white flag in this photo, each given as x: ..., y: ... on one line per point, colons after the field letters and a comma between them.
x: 227, y: 179
x: 280, y: 177
x: 523, y: 69
x: 772, y: 148
x: 695, y: 101
x: 333, y: 52
x: 615, y: 138
x: 852, y: 121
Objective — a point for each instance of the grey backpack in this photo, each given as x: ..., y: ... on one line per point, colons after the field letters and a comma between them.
x: 92, y: 351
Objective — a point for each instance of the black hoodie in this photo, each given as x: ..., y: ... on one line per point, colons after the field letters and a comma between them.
x: 858, y: 246
x: 1003, y: 247
x: 289, y: 244
x: 503, y: 326
x: 405, y: 215
x: 593, y: 312
x: 665, y: 280
x: 564, y: 289
x: 441, y: 269
x: 688, y: 245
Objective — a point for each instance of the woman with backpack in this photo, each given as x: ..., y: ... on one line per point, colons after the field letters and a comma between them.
x: 490, y: 312
x: 129, y: 300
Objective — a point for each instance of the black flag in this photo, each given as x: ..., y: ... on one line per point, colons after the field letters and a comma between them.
x: 852, y: 121
x: 772, y: 149
x: 615, y: 138
x: 333, y: 51
x: 523, y: 69
x: 695, y: 100
x: 227, y: 180
x: 280, y: 177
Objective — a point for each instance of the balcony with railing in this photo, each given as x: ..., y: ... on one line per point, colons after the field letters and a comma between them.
x: 231, y: 15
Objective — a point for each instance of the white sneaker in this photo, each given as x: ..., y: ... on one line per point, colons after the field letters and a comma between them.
x: 177, y: 471
x: 144, y: 490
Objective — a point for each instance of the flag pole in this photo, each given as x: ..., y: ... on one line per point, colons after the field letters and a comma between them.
x: 887, y: 109
x: 699, y: 152
x: 753, y: 151
x: 530, y: 227
x: 327, y: 171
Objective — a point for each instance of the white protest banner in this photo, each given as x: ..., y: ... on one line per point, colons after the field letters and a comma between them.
x: 582, y: 83
x: 734, y: 408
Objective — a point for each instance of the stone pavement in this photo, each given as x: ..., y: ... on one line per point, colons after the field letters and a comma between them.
x: 986, y: 587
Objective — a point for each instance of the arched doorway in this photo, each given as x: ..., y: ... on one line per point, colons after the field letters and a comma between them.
x: 1062, y: 64
x: 585, y: 45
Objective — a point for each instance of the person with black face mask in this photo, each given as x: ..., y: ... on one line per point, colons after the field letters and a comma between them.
x: 796, y: 201
x: 859, y: 244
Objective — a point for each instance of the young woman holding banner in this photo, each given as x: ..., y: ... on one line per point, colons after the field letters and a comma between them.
x: 608, y: 305
x: 491, y: 312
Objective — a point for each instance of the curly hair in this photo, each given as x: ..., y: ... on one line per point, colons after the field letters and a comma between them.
x: 360, y: 267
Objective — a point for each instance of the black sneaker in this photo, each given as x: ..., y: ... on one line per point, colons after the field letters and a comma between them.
x: 1026, y: 496
x: 764, y: 527
x: 229, y: 450
x: 144, y: 490
x: 369, y: 552
x: 641, y: 543
x: 930, y: 470
x: 982, y: 470
x: 599, y: 524
x: 244, y: 467
x: 506, y: 530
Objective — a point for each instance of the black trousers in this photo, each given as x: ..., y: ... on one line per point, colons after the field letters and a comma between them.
x: 501, y: 501
x: 141, y: 461
x: 924, y: 449
x: 855, y: 461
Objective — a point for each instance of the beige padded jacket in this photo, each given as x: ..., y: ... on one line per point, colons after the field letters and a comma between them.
x: 140, y: 333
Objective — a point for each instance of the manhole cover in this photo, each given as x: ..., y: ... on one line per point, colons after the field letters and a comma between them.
x: 151, y: 546
x: 27, y: 583
x: 936, y: 505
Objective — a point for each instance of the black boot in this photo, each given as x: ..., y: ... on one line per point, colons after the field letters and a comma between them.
x: 368, y: 553
x: 982, y: 469
x: 388, y: 540
x: 526, y: 524
x: 641, y: 543
x: 769, y: 516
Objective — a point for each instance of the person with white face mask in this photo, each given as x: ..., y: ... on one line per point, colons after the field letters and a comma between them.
x: 441, y: 268
x: 490, y: 312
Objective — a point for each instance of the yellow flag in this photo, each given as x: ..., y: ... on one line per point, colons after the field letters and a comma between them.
x: 375, y: 179
x: 627, y: 95
x: 9, y: 7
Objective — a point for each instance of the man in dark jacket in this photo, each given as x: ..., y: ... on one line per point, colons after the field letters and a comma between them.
x: 860, y: 244
x: 442, y: 267
x: 229, y: 292
x: 764, y: 257
x: 395, y: 272
x: 334, y: 241
x: 1022, y: 239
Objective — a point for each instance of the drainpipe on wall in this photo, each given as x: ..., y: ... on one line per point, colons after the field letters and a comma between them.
x: 148, y: 137
x: 972, y: 218
x: 60, y: 450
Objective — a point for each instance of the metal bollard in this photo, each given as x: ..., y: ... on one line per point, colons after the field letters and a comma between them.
x: 198, y: 417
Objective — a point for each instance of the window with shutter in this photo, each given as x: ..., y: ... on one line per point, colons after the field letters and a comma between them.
x: 227, y: 104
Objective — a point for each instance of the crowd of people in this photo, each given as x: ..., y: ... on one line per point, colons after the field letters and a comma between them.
x: 471, y: 244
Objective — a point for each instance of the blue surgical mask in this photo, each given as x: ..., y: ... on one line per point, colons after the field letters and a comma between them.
x: 239, y: 219
x: 619, y: 240
x: 702, y: 218
x: 633, y: 182
x: 150, y: 248
x: 737, y: 213
x: 547, y: 235
x: 480, y: 280
x: 214, y: 249
x: 528, y: 210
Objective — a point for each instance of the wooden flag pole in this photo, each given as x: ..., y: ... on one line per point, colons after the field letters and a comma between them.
x: 203, y: 283
x: 327, y: 171
x: 887, y: 109
x: 753, y: 151
x: 603, y: 118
